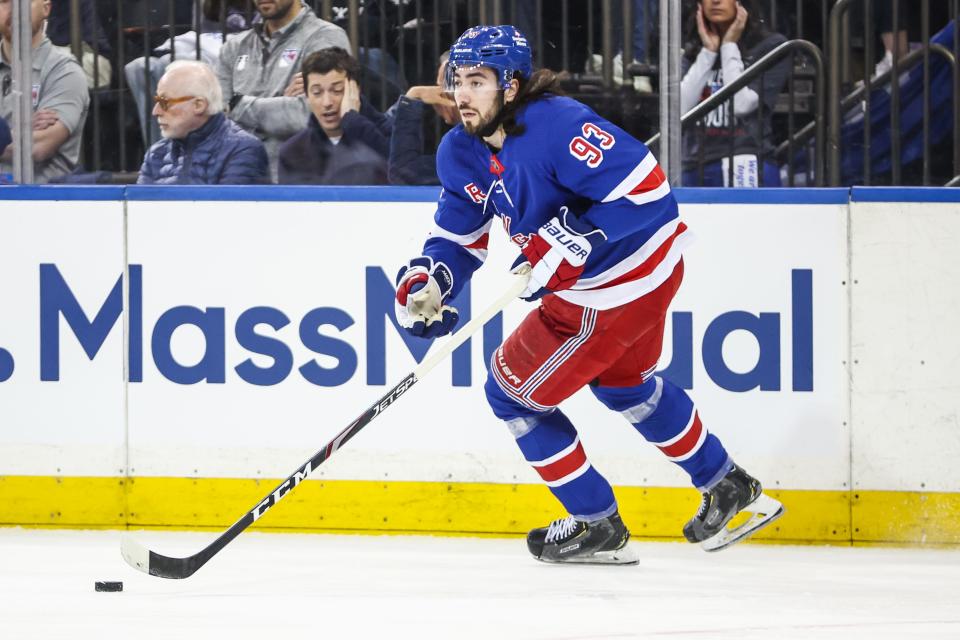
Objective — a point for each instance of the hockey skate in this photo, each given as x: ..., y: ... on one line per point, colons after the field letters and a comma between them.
x: 736, y: 492
x: 568, y: 540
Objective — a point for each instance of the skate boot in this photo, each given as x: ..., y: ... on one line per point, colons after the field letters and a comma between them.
x: 570, y: 540
x: 736, y: 492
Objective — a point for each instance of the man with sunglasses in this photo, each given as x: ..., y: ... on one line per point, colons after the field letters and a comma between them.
x: 59, y: 93
x: 200, y: 145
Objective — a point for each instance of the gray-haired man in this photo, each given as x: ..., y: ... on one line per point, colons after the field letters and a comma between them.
x: 200, y: 145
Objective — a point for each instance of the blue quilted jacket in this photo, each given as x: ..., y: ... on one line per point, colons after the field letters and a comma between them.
x: 219, y: 152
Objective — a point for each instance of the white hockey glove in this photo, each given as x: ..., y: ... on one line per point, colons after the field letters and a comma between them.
x: 422, y: 289
x: 557, y: 254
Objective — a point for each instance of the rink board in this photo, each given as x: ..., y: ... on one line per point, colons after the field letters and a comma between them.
x: 256, y: 330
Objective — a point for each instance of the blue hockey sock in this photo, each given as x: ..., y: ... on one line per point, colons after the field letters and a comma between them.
x: 665, y: 415
x: 549, y: 442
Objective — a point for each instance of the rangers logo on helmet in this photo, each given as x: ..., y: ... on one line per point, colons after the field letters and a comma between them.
x: 503, y: 48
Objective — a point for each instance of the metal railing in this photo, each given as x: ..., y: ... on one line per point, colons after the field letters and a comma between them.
x: 860, y: 95
x: 413, y: 33
x: 564, y: 34
x: 726, y: 94
x: 839, y: 104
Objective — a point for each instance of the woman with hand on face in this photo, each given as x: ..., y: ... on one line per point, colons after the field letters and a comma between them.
x: 726, y: 37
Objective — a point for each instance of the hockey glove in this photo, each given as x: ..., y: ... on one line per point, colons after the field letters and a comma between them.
x: 557, y: 254
x: 422, y: 288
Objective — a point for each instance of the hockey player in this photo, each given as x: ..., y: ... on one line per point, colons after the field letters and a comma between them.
x: 597, y: 224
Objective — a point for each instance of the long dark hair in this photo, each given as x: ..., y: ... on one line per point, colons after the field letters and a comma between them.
x: 538, y: 85
x: 754, y: 32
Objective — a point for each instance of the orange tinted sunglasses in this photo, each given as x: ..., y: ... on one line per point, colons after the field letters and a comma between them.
x: 166, y: 103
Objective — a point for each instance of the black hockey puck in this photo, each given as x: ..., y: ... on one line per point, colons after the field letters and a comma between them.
x: 108, y: 586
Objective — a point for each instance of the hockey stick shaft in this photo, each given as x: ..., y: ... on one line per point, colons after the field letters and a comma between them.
x: 178, y: 568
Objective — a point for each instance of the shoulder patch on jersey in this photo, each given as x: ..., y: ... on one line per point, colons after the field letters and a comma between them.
x: 496, y: 167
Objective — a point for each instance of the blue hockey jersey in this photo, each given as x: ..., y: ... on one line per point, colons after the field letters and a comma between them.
x: 566, y: 156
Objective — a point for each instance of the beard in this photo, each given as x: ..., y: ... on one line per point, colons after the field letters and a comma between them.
x: 280, y: 10
x: 487, y: 122
x: 482, y: 123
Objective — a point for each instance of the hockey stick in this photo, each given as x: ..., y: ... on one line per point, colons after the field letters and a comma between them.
x: 155, y: 564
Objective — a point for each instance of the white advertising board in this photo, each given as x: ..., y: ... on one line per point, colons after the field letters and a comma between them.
x: 295, y: 303
x: 904, y: 303
x: 61, y: 406
x: 259, y: 330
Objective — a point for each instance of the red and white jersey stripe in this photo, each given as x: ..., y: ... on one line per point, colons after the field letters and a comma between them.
x: 475, y: 242
x: 646, y: 183
x: 637, y: 274
x: 645, y: 268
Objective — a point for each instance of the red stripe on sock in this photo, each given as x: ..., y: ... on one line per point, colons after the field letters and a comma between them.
x: 685, y: 445
x: 564, y: 466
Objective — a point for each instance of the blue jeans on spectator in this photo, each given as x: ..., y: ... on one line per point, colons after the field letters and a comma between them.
x: 713, y: 175
x: 640, y: 28
x: 6, y: 137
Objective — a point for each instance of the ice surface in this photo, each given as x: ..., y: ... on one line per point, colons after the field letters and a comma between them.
x: 290, y: 586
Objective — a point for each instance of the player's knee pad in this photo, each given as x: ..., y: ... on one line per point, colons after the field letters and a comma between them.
x: 622, y: 398
x: 659, y: 410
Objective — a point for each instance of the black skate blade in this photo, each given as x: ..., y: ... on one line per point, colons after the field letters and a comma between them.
x: 625, y: 556
x: 763, y: 510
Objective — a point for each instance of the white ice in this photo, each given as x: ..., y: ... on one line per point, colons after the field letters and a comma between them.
x: 328, y: 586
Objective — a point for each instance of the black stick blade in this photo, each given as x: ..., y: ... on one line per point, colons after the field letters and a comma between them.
x: 155, y: 564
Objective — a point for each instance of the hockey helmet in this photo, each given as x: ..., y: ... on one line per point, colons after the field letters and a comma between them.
x: 502, y: 48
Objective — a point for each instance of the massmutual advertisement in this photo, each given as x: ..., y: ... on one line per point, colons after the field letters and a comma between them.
x: 232, y: 339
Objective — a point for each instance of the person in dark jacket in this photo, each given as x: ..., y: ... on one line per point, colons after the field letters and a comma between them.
x: 346, y: 141
x: 5, y: 136
x: 734, y: 146
x: 408, y: 164
x: 200, y: 144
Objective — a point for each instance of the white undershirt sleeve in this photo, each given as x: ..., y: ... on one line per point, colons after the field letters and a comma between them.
x: 691, y: 87
x: 746, y: 100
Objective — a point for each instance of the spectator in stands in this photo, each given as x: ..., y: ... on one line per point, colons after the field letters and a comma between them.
x: 258, y: 70
x: 60, y: 98
x: 140, y: 72
x: 884, y: 21
x: 407, y: 163
x: 383, y: 79
x: 344, y: 142
x: 95, y: 56
x: 5, y: 136
x: 200, y: 144
x: 727, y: 37
x: 644, y: 20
